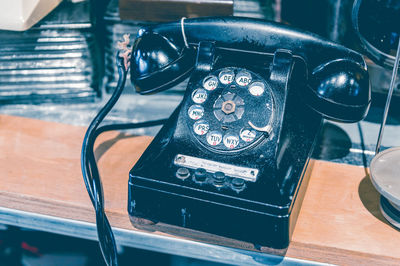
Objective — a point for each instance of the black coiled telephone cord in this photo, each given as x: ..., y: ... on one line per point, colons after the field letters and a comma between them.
x: 90, y: 171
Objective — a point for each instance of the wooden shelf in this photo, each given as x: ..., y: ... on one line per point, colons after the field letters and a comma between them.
x: 339, y: 222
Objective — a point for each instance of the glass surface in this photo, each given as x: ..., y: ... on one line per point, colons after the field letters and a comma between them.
x: 379, y: 24
x: 384, y: 174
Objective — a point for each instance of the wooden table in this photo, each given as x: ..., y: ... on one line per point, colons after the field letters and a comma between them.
x: 41, y: 188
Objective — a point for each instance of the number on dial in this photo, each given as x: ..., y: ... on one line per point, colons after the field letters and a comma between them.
x: 196, y: 112
x: 231, y: 141
x: 210, y: 83
x: 243, y: 78
x: 226, y: 77
x: 214, y: 138
x: 247, y: 135
x: 201, y: 127
x: 199, y: 96
x: 257, y: 88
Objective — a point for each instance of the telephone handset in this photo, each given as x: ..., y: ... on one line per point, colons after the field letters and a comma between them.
x: 232, y: 159
x: 165, y: 54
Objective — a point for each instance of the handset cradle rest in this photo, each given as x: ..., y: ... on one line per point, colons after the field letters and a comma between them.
x: 205, y: 57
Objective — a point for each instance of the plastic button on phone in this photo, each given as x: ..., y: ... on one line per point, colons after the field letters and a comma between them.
x: 237, y: 184
x: 231, y: 141
x: 199, y: 96
x: 257, y: 88
x: 226, y: 76
x: 200, y: 174
x: 214, y: 138
x: 182, y: 173
x: 219, y: 178
x: 243, y: 78
x: 201, y: 127
x: 196, y: 112
x: 210, y: 83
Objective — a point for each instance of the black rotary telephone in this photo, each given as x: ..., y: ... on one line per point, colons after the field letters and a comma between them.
x: 231, y: 160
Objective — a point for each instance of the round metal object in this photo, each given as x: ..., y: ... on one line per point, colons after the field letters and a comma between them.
x: 182, y: 173
x: 228, y: 107
x: 390, y: 212
x: 375, y: 22
x: 200, y: 174
x: 237, y: 182
x: 219, y: 178
x: 385, y: 176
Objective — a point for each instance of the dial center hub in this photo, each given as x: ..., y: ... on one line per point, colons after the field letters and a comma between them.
x: 228, y: 107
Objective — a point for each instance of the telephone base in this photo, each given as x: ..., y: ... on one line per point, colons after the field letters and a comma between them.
x: 187, y: 233
x: 264, y: 232
x: 208, y: 170
x: 149, y: 226
x: 233, y: 160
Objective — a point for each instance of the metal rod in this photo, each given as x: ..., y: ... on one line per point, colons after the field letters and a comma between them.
x: 389, y: 98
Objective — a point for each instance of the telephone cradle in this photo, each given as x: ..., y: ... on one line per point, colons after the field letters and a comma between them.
x: 233, y: 158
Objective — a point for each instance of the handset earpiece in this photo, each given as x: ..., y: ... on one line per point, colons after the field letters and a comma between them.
x: 339, y: 91
x: 158, y: 64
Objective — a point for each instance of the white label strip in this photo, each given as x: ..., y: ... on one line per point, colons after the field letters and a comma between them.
x: 249, y: 174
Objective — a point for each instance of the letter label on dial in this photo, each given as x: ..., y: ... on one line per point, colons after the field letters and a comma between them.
x: 199, y: 96
x: 196, y: 112
x: 226, y: 77
x: 214, y: 138
x: 231, y: 141
x: 243, y: 78
x: 247, y: 135
x: 210, y: 83
x: 201, y: 127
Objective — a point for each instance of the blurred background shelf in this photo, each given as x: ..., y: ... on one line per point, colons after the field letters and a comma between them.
x: 57, y: 60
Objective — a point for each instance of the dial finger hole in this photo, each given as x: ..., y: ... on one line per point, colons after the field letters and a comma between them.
x: 196, y: 112
x: 247, y: 135
x: 199, y: 96
x: 226, y: 77
x: 243, y: 78
x: 231, y: 141
x: 210, y: 83
x: 214, y: 138
x: 201, y: 127
x: 257, y: 88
